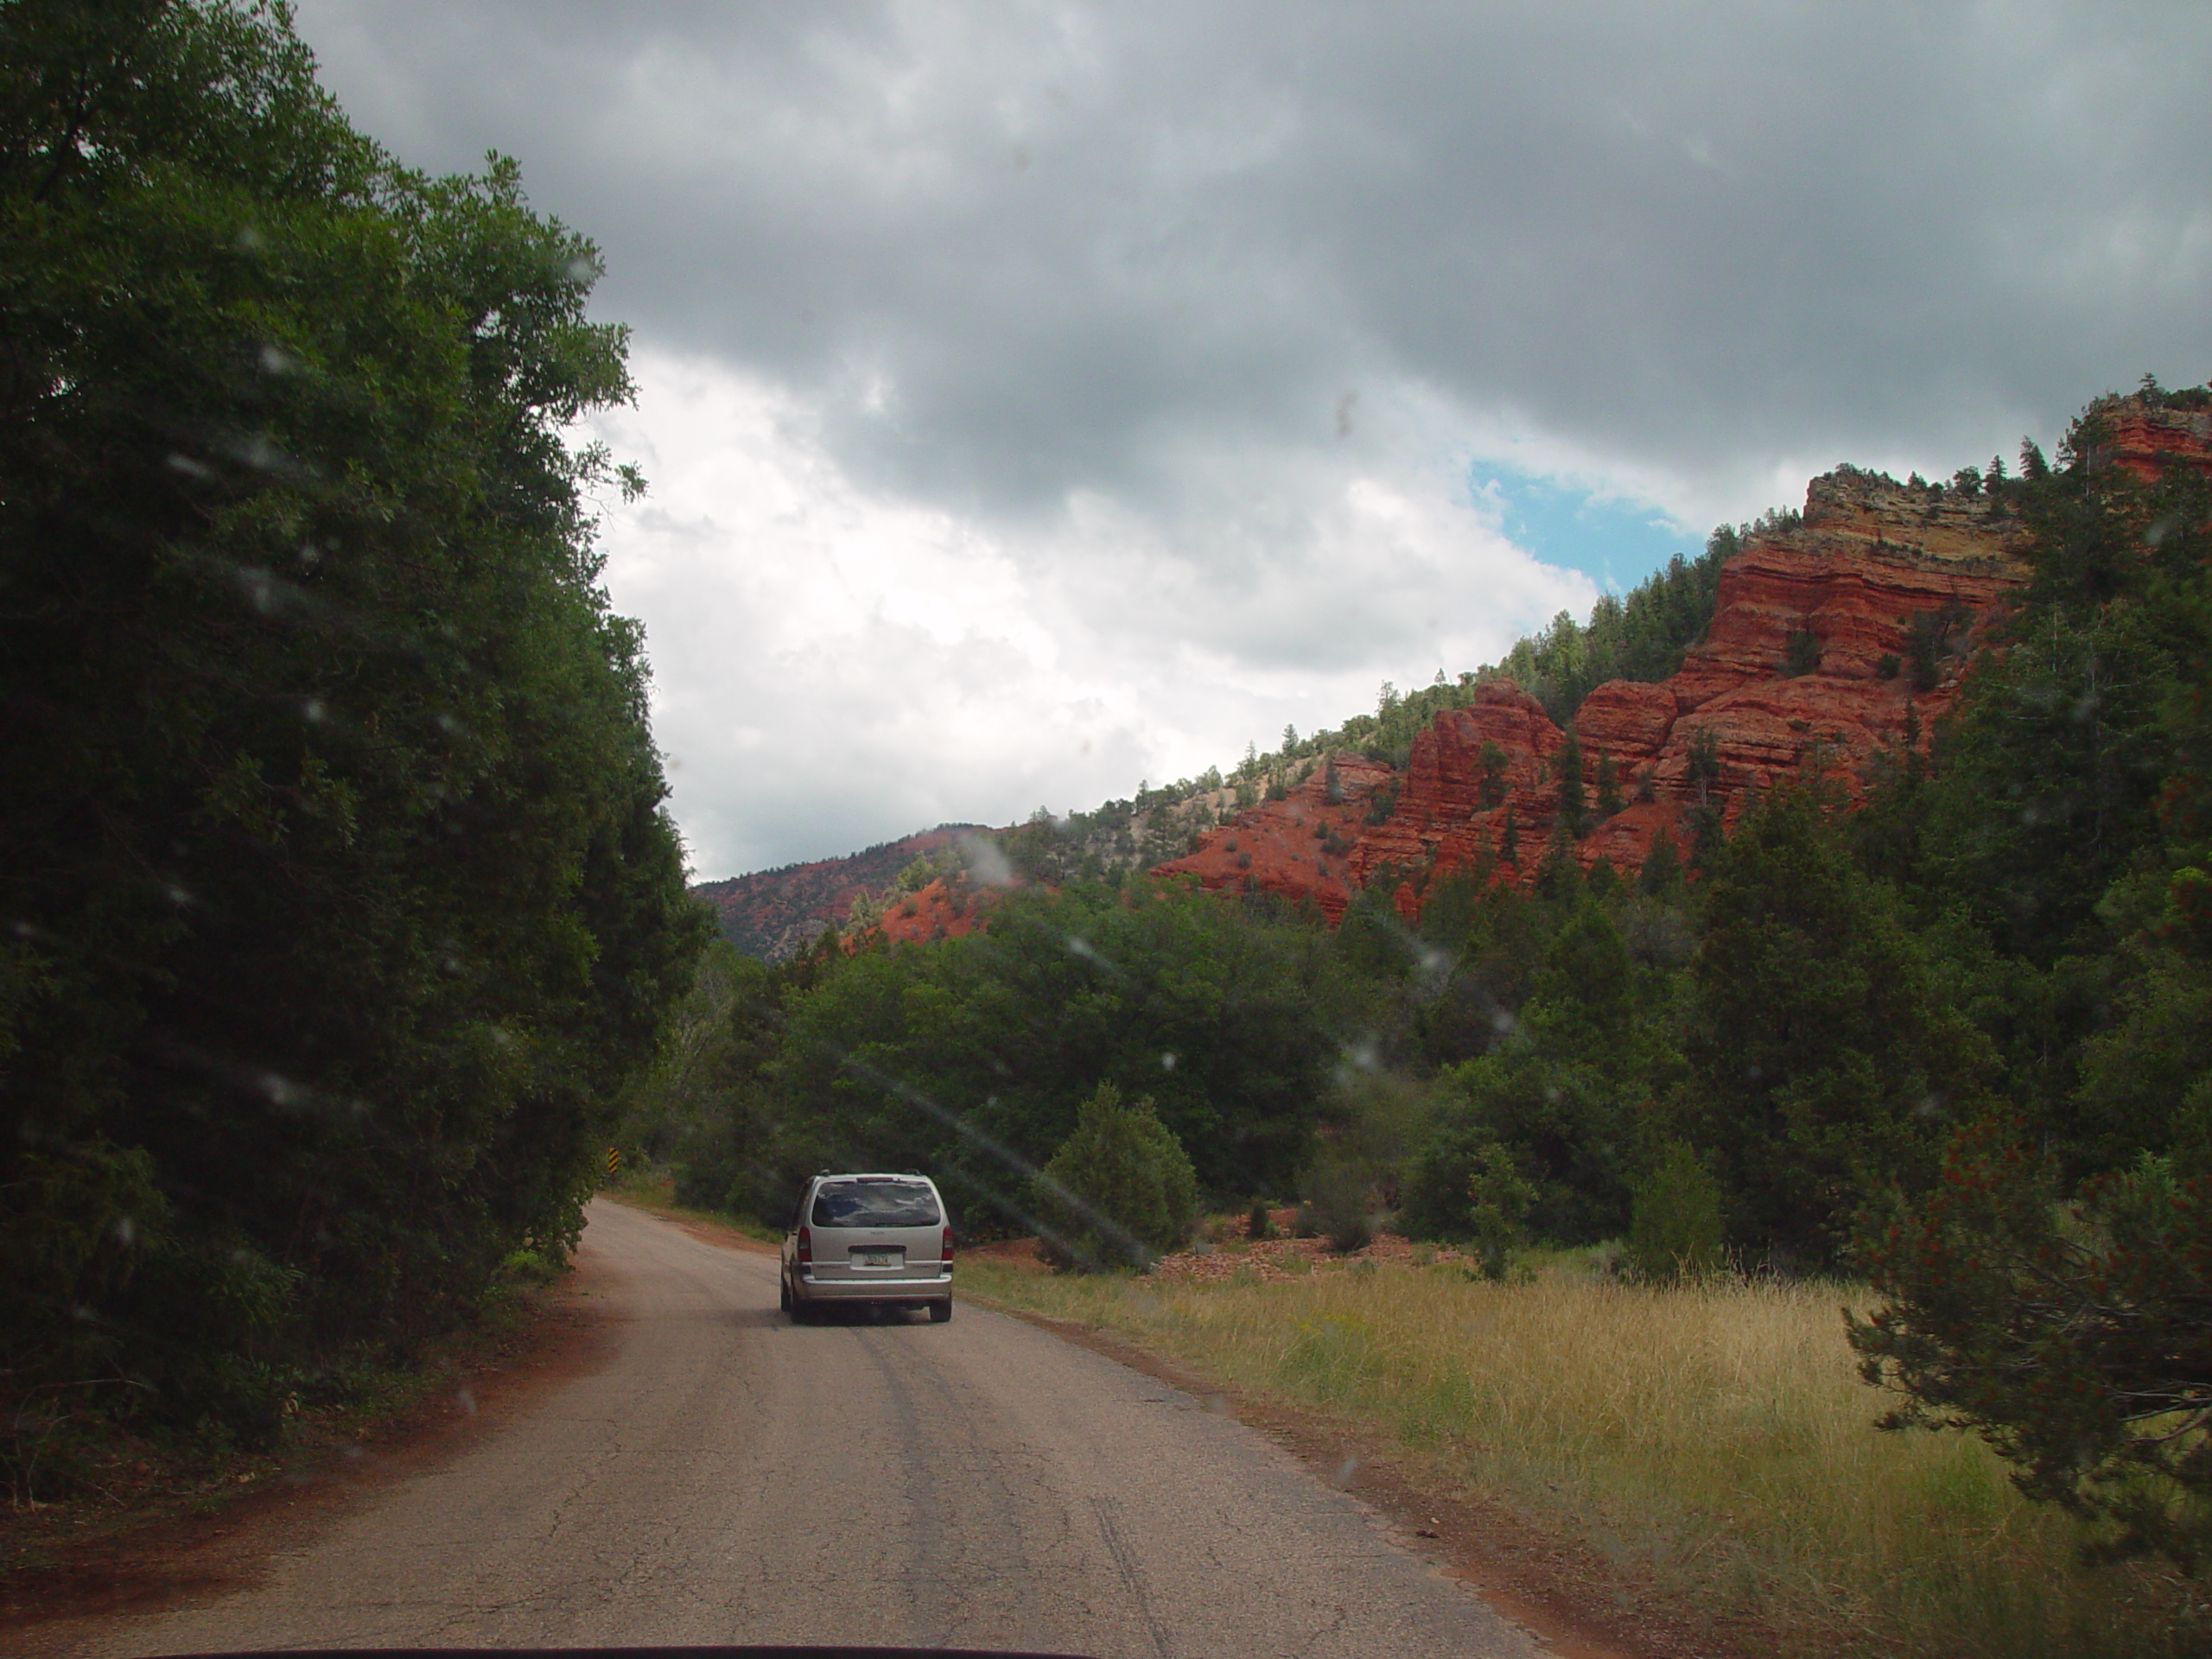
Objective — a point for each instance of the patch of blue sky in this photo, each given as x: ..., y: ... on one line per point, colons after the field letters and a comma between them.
x: 1614, y: 540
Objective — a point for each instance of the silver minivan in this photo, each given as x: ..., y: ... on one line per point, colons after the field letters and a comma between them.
x: 880, y: 1239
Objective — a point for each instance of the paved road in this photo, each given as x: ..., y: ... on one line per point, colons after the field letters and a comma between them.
x: 730, y: 1477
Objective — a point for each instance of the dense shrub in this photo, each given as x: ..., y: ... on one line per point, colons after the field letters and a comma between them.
x: 1119, y: 1192
x: 1342, y: 1203
x: 1497, y: 1209
x: 1675, y: 1228
x: 2070, y: 1334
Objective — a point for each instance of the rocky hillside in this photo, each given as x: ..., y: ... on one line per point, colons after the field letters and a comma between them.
x: 1830, y: 634
x: 772, y: 913
x: 1838, y: 634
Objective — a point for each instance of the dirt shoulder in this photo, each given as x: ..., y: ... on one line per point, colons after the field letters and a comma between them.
x: 157, y: 1533
x: 157, y: 1529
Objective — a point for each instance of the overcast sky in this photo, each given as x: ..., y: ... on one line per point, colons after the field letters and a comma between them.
x: 1041, y: 398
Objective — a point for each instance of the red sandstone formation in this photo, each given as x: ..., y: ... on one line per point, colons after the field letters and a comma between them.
x: 1844, y: 587
x: 943, y: 910
x: 1441, y: 817
x: 1869, y: 558
x: 1300, y: 847
x: 2146, y: 442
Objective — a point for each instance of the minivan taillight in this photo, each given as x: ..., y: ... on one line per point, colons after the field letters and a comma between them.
x: 945, y: 1255
x: 805, y: 1246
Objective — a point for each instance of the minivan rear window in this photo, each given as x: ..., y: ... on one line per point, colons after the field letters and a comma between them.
x: 874, y: 1203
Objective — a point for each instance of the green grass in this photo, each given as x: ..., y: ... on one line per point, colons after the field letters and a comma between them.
x: 1715, y: 1439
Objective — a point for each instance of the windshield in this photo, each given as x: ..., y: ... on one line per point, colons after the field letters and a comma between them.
x: 875, y: 1203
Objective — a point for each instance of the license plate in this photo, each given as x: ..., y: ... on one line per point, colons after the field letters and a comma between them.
x: 879, y: 1258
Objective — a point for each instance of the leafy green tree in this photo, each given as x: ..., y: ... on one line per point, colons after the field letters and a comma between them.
x: 2048, y: 1291
x: 967, y: 1058
x: 1372, y: 1120
x: 1450, y: 907
x: 1610, y: 799
x: 344, y: 902
x: 1434, y: 1201
x: 2049, y: 780
x: 1344, y: 1199
x: 1704, y: 763
x: 1491, y: 761
x: 1498, y: 1207
x: 1559, y: 875
x: 1662, y: 866
x: 661, y: 1100
x: 1119, y: 1192
x: 1642, y: 635
x: 1566, y: 1091
x: 1573, y: 798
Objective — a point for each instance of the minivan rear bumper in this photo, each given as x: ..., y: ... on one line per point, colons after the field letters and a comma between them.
x: 927, y: 1287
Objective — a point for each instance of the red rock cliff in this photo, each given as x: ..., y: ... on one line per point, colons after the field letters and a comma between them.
x: 1871, y: 563
x: 1836, y: 595
x: 2148, y: 440
x: 1810, y: 659
x: 1299, y: 847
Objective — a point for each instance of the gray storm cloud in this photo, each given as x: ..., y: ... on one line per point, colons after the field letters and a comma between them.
x: 1011, y: 251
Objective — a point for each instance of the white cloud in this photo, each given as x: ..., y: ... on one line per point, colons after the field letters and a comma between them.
x: 834, y: 667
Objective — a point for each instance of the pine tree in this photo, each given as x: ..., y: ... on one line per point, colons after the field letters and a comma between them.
x: 1573, y: 809
x: 1827, y: 1057
x: 1609, y: 787
x: 1662, y: 866
x: 1490, y: 762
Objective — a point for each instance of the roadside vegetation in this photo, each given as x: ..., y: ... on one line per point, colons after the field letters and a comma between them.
x: 123, y: 1481
x: 339, y: 903
x: 1709, y: 1440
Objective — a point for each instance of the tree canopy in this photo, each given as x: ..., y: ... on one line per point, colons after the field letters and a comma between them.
x: 340, y: 898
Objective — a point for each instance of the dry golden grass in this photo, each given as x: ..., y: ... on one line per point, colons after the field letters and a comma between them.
x: 1718, y: 1437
